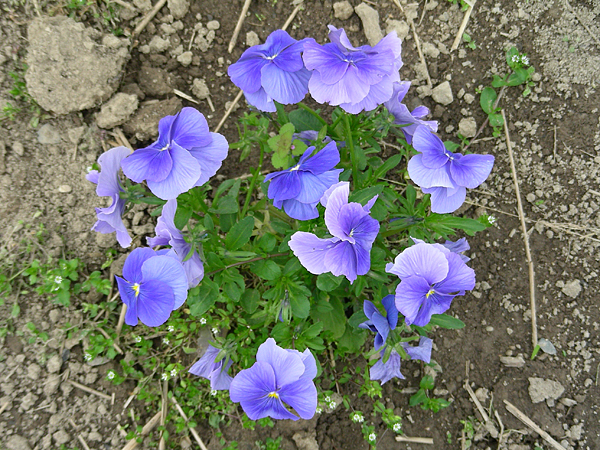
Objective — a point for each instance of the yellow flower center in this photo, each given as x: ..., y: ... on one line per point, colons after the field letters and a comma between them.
x: 273, y: 395
x: 431, y: 291
x: 296, y: 167
x: 136, y: 289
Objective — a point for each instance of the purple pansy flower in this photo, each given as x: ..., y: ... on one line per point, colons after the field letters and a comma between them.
x: 153, y: 285
x: 457, y: 247
x: 356, y: 79
x: 298, y: 189
x: 431, y: 276
x: 185, y: 155
x: 348, y: 252
x: 384, y: 372
x: 379, y: 324
x: 443, y: 174
x: 168, y: 234
x: 109, y: 219
x: 216, y: 372
x: 402, y: 116
x: 272, y: 71
x: 279, y: 376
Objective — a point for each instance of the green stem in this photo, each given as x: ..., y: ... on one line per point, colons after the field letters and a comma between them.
x: 313, y: 113
x: 253, y: 181
x: 350, y: 145
x: 258, y: 258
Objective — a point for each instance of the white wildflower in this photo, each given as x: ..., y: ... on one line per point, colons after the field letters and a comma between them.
x: 202, y: 321
x: 174, y: 372
x: 58, y: 279
x: 138, y: 339
x: 166, y: 341
x: 327, y: 399
x: 87, y: 357
x: 492, y: 220
x: 332, y: 405
x: 357, y: 417
x: 319, y: 410
x: 372, y: 437
x: 170, y: 328
x: 215, y: 331
x: 213, y: 392
x: 110, y: 375
x: 396, y: 427
x: 88, y: 169
x: 525, y: 60
x: 164, y: 376
x: 515, y: 58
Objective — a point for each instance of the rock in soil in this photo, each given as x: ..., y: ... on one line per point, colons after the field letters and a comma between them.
x: 48, y: 135
x: 16, y: 442
x: 68, y: 70
x: 117, y: 110
x: 144, y: 124
x: 442, y: 94
x: 178, y: 8
x: 467, y: 127
x: 342, y: 10
x: 370, y: 21
x: 399, y: 26
x: 540, y: 389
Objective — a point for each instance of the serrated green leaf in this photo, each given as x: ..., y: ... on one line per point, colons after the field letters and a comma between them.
x: 239, y: 234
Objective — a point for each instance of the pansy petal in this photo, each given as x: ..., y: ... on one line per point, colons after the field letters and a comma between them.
x: 422, y: 352
x: 310, y: 364
x: 108, y: 178
x: 132, y: 269
x: 385, y: 372
x: 93, y: 176
x: 426, y: 177
x: 324, y: 160
x: 443, y: 200
x: 369, y: 308
x: 313, y: 186
x: 123, y: 238
x: 389, y: 303
x: 290, y: 58
x: 431, y: 146
x: 155, y: 301
x: 331, y: 189
x: 245, y: 73
x: 341, y: 260
x: 378, y: 94
x: 205, y: 365
x: 169, y: 271
x: 366, y: 230
x: 288, y: 367
x: 147, y: 164
x: 337, y: 199
x: 302, y: 396
x: 164, y: 131
x: 326, y: 59
x: 183, y: 176
x: 210, y: 157
x: 285, y: 87
x: 260, y: 100
x: 190, y: 129
x: 128, y: 297
x: 300, y: 211
x: 311, y: 250
x: 285, y: 186
x: 420, y: 260
x: 411, y: 297
x: 460, y: 276
x: 383, y: 329
x: 220, y: 380
x: 194, y: 270
x: 471, y: 170
x: 435, y: 304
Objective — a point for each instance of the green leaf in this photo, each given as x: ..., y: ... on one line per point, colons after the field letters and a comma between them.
x: 487, y: 99
x: 304, y: 121
x: 298, y: 296
x: 281, y: 145
x: 352, y: 340
x: 267, y: 242
x: 445, y: 224
x: 202, y: 298
x: 313, y: 330
x: 496, y: 120
x: 364, y: 195
x: 446, y: 321
x: 249, y: 300
x: 266, y: 269
x: 226, y: 205
x: 519, y: 76
x: 357, y: 318
x: 328, y: 282
x: 182, y: 216
x: 427, y: 382
x: 388, y: 165
x: 417, y: 398
x: 240, y: 233
x: 498, y: 82
x: 331, y: 313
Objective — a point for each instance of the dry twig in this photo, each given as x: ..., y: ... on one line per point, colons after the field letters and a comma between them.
x: 83, y: 443
x: 463, y: 25
x: 192, y: 430
x: 89, y: 390
x: 4, y: 406
x: 531, y: 424
x: 513, y: 169
x: 146, y: 20
x: 121, y: 319
x: 238, y: 26
x: 484, y: 414
x: 416, y: 440
x: 501, y: 428
x: 146, y: 430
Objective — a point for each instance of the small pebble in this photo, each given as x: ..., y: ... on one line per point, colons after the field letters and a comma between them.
x: 64, y: 188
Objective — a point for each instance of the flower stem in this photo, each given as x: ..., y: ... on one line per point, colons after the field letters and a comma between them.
x: 313, y: 113
x: 350, y: 146
x: 253, y: 181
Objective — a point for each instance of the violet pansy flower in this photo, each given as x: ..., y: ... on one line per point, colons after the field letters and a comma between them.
x: 279, y: 377
x: 298, y: 189
x: 185, y: 155
x: 168, y: 234
x: 431, y: 276
x: 402, y: 115
x: 109, y: 218
x: 379, y: 324
x: 153, y: 285
x: 384, y: 372
x: 443, y: 174
x: 348, y: 252
x: 457, y: 247
x: 273, y: 71
x: 356, y: 79
x: 216, y: 372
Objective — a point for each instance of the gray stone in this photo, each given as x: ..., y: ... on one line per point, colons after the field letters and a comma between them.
x: 51, y: 385
x: 185, y: 59
x: 117, y: 110
x: 467, y: 127
x: 33, y: 371
x: 61, y: 437
x: 75, y: 134
x: 540, y: 389
x: 200, y: 89
x: 111, y: 41
x: 430, y: 50
x: 155, y: 81
x: 68, y: 70
x: 158, y: 45
x: 55, y: 315
x: 513, y: 361
x: 18, y: 148
x: 252, y: 39
x: 178, y: 8
x: 370, y: 21
x: 469, y: 98
x: 306, y: 440
x: 213, y: 25
x: 16, y: 442
x: 572, y: 288
x: 48, y: 135
x: 399, y: 26
x: 442, y: 93
x: 342, y: 10
x: 54, y: 363
x: 144, y: 123
x: 28, y: 401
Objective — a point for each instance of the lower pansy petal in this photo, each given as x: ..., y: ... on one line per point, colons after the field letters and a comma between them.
x: 183, y: 176
x: 425, y: 177
x: 285, y: 87
x: 300, y: 211
x: 210, y: 157
x: 302, y: 396
x: 341, y: 260
x: 460, y: 276
x: 128, y: 297
x: 169, y: 271
x: 471, y: 170
x: 141, y: 165
x: 446, y: 200
x: 260, y: 100
x: 311, y: 250
x: 411, y: 297
x: 253, y: 384
x: 155, y: 302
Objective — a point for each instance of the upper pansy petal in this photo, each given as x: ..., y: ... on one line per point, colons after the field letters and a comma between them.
x: 155, y: 301
x: 164, y: 132
x: 285, y: 87
x: 128, y: 297
x: 169, y: 271
x: 183, y: 176
x: 246, y: 72
x: 434, y: 153
x: 323, y: 161
x: 285, y: 185
x: 471, y: 170
x: 389, y: 303
x: 422, y: 351
x: 253, y: 384
x: 205, y: 365
x: 288, y: 367
x: 190, y: 129
x: 332, y: 188
x: 422, y: 260
x: 460, y: 276
x: 290, y: 59
x: 108, y: 178
x: 277, y: 42
x: 327, y: 59
x: 194, y: 270
x: 210, y: 157
x: 446, y: 200
x: 311, y: 250
x: 141, y: 165
x: 132, y: 269
x: 336, y: 199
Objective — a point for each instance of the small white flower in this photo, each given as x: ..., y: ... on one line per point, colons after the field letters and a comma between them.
x: 202, y: 321
x: 164, y: 376
x: 515, y: 58
x: 88, y: 169
x: 525, y: 60
x: 327, y: 399
x: 372, y: 437
x: 110, y: 375
x: 492, y: 220
x: 166, y: 341
x: 138, y: 339
x: 213, y: 392
x: 215, y: 331
x: 396, y: 427
x: 358, y: 418
x: 174, y: 372
x: 87, y: 357
x: 170, y: 328
x: 332, y: 405
x: 319, y: 410
x: 58, y: 279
